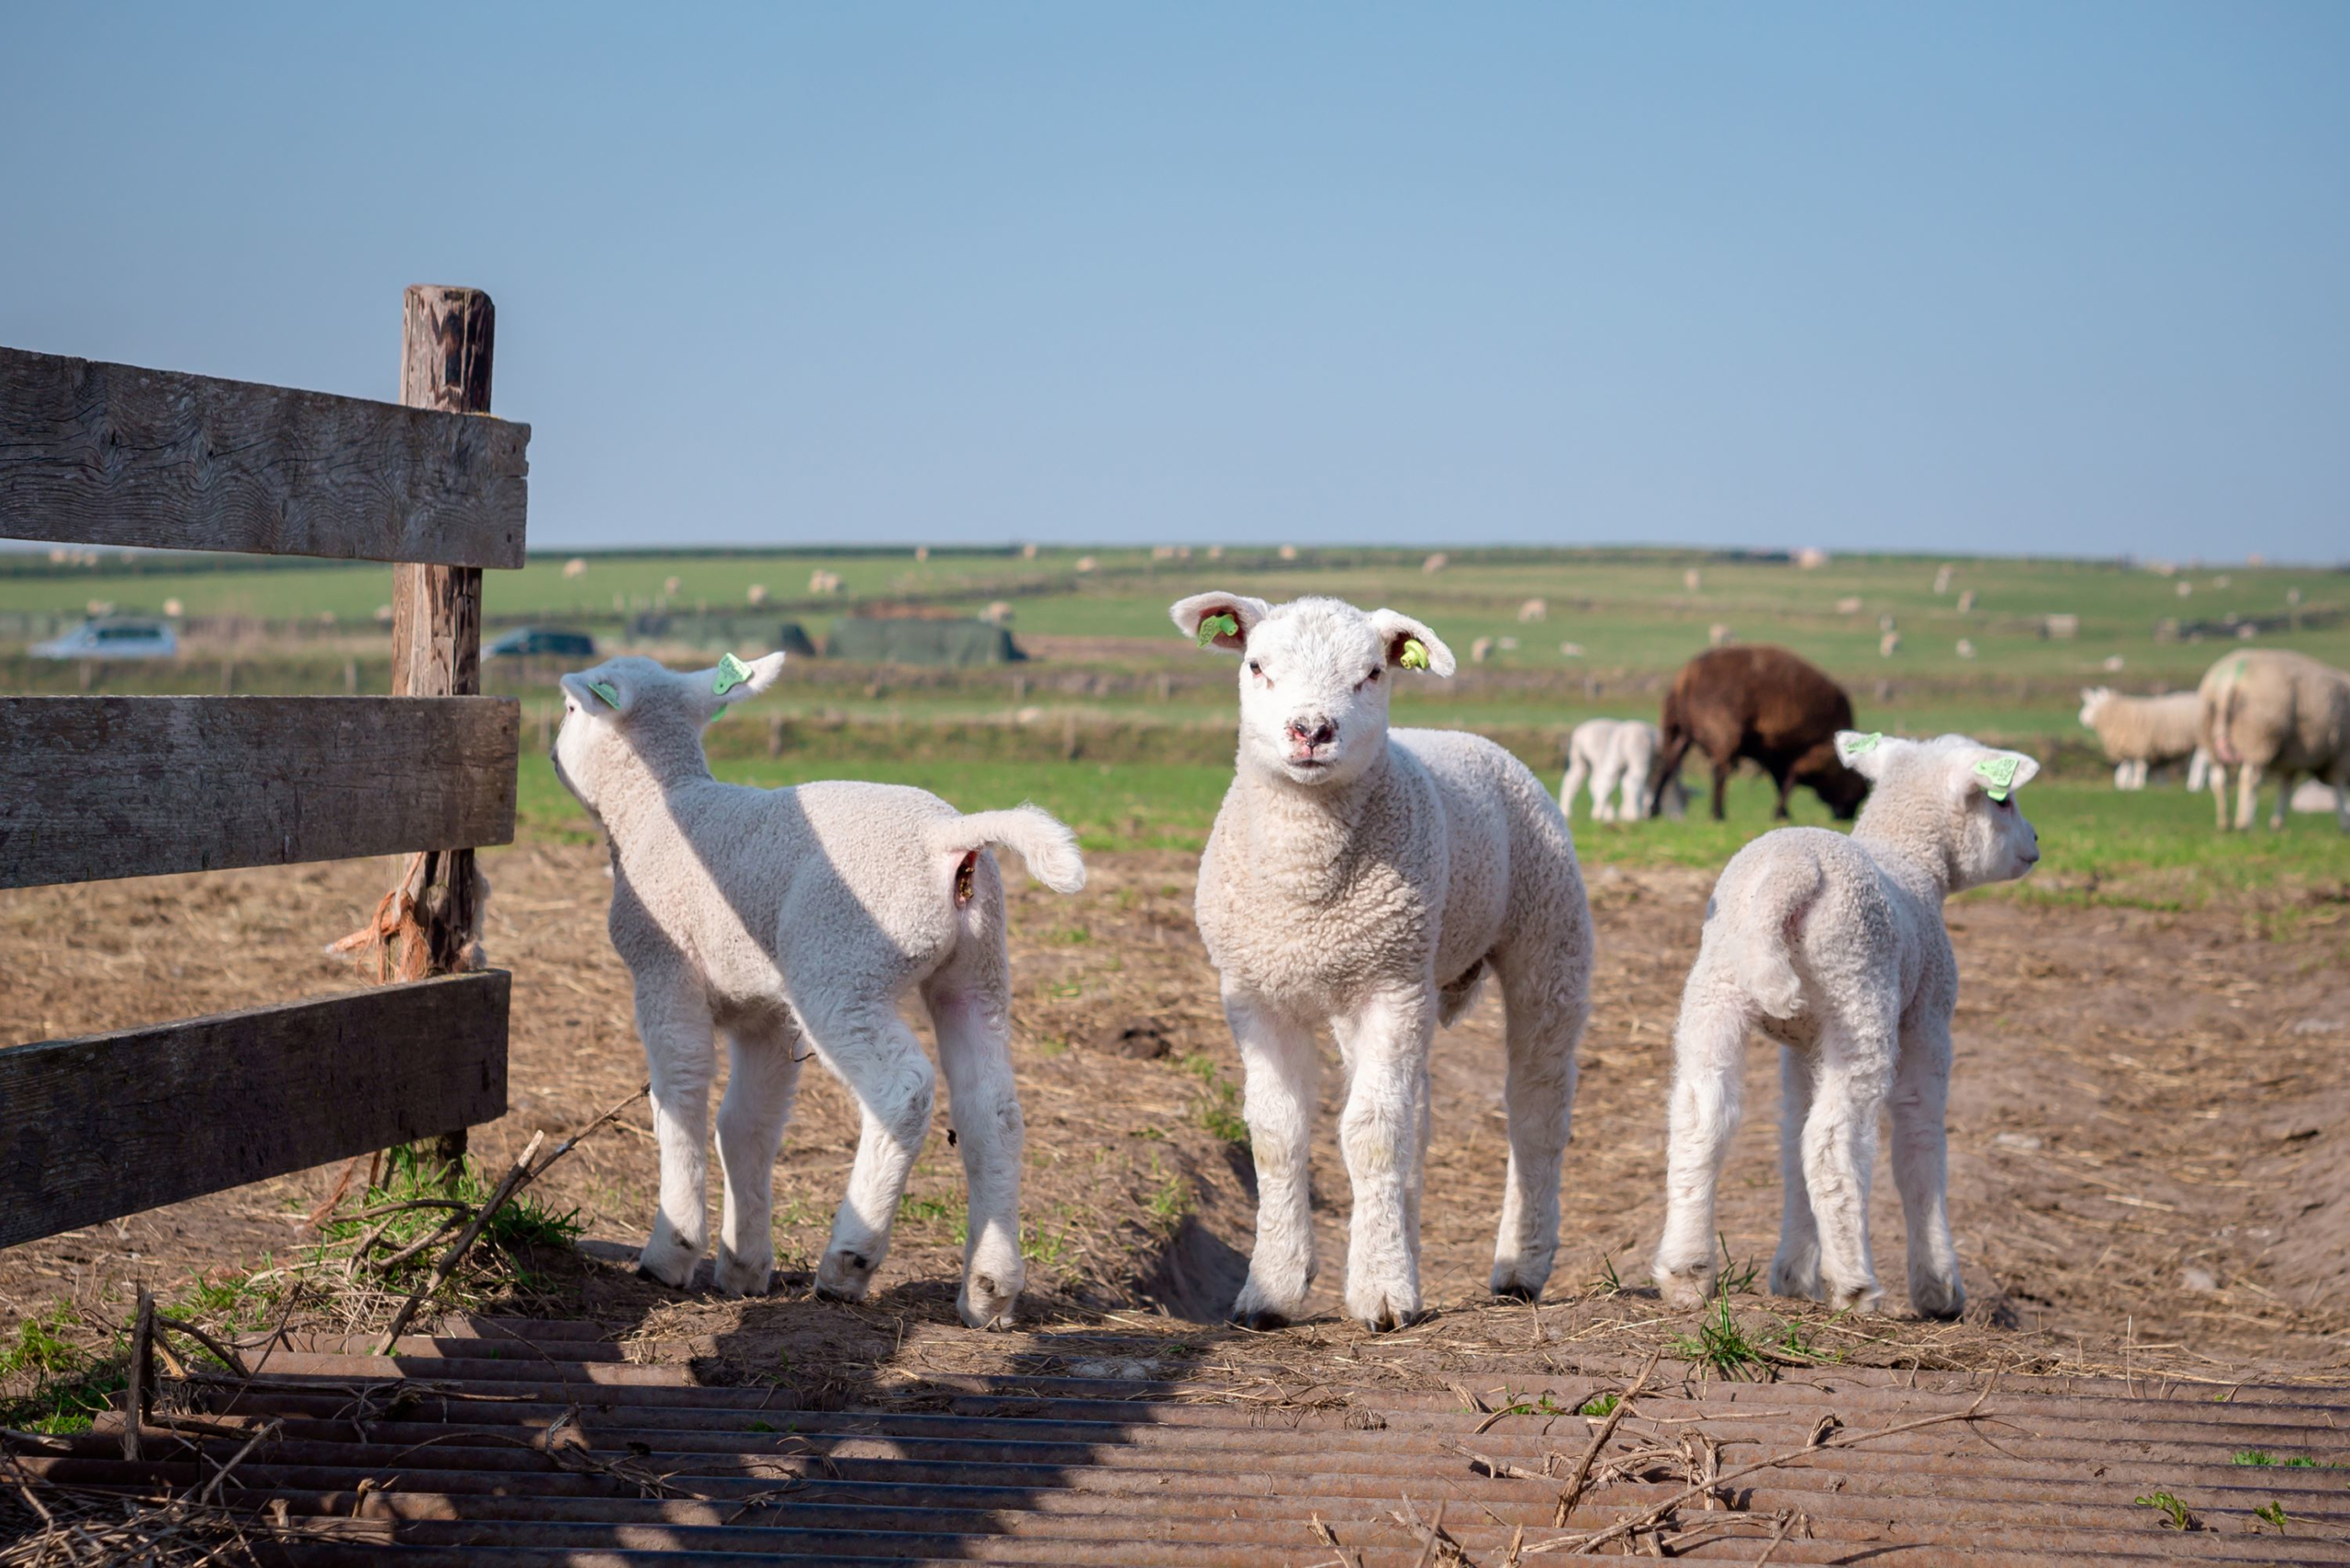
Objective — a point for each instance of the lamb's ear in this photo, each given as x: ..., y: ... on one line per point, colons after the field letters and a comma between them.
x: 600, y: 691
x: 1866, y: 754
x: 734, y: 681
x: 1411, y: 645
x: 1219, y: 620
x: 1997, y: 774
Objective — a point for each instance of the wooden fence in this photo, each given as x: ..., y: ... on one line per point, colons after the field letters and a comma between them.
x: 101, y: 786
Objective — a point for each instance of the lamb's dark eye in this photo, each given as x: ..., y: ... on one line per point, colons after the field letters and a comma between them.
x: 1374, y: 675
x: 1255, y: 668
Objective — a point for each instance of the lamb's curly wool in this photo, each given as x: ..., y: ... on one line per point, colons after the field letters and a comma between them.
x: 2268, y: 710
x: 1614, y: 756
x: 1835, y: 948
x: 1367, y: 879
x: 2143, y: 733
x: 800, y: 917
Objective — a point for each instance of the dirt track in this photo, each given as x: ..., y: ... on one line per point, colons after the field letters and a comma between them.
x: 2147, y: 1143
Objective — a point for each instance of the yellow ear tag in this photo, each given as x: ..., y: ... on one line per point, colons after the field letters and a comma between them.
x: 607, y: 690
x: 732, y: 673
x: 1214, y: 626
x: 1998, y: 776
x: 1415, y: 654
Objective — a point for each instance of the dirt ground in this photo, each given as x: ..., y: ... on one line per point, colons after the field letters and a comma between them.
x: 2150, y: 1160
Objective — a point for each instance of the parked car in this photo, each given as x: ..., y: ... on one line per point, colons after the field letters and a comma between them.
x: 112, y: 639
x: 526, y: 641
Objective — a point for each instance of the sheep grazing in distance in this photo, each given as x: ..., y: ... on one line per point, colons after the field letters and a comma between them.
x: 1614, y: 756
x: 2268, y: 710
x: 1835, y: 948
x: 794, y: 920
x: 1369, y: 878
x: 2143, y: 733
x: 1765, y: 703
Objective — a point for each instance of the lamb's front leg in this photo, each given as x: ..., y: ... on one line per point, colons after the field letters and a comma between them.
x: 1922, y: 1168
x: 1385, y: 1043
x: 883, y: 1065
x: 673, y: 1020
x: 1795, y: 1271
x: 761, y: 1084
x: 1281, y: 1072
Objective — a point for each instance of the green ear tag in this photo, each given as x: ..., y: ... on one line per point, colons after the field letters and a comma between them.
x: 607, y: 690
x: 1860, y: 746
x: 1415, y: 654
x: 1214, y: 626
x: 732, y: 673
x: 1998, y: 776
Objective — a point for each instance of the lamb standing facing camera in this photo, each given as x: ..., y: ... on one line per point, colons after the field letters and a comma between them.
x: 1835, y: 948
x: 785, y: 917
x: 1368, y: 879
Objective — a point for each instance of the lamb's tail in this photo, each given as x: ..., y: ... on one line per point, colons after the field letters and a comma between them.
x: 1762, y: 959
x: 1043, y: 841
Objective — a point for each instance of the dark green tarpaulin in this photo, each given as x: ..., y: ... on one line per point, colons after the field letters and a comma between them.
x: 920, y: 641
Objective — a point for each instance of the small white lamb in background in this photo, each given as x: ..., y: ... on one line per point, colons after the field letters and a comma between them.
x: 1614, y: 757
x: 1367, y: 879
x: 2143, y: 733
x: 1836, y: 948
x: 785, y: 917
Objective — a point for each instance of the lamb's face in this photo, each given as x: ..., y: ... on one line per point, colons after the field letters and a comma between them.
x: 1996, y: 843
x: 1314, y: 676
x: 2092, y: 698
x: 1950, y: 793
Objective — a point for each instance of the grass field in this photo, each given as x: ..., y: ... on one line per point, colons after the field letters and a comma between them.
x: 1149, y: 718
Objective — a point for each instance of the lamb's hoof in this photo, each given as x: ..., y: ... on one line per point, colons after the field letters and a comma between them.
x: 1516, y: 1290
x: 736, y: 1276
x: 671, y: 1266
x: 1382, y: 1311
x: 1799, y: 1279
x: 845, y: 1276
x: 1944, y: 1299
x: 1391, y: 1318
x: 1685, y: 1291
x: 1861, y: 1297
x: 1263, y: 1320
x: 985, y: 1304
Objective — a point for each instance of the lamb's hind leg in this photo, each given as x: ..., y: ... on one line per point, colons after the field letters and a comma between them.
x: 2247, y: 795
x: 673, y: 1020
x: 1708, y: 1072
x: 761, y: 1084
x: 1921, y: 1169
x: 970, y: 1007
x: 1840, y: 1151
x: 1546, y: 1017
x: 878, y: 1057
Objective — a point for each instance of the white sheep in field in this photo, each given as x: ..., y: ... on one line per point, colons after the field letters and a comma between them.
x: 798, y: 918
x: 1614, y: 757
x: 1835, y: 948
x: 2143, y: 733
x: 2270, y: 711
x: 1368, y: 879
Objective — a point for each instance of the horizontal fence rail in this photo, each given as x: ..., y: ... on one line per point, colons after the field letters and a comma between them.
x: 110, y: 1125
x: 94, y: 787
x: 113, y: 454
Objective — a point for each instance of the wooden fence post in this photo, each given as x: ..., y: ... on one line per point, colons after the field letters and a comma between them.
x: 446, y: 338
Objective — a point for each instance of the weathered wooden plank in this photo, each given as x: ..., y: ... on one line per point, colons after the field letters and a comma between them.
x: 109, y: 1125
x: 99, y: 787
x: 113, y: 454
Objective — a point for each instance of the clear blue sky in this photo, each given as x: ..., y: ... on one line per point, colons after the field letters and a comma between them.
x: 2067, y: 278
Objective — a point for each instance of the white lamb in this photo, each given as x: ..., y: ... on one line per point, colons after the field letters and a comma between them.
x: 1367, y: 879
x: 1614, y: 757
x: 801, y: 916
x: 1835, y: 948
x: 2143, y: 733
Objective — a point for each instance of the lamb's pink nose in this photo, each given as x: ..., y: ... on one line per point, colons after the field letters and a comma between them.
x: 1320, y: 731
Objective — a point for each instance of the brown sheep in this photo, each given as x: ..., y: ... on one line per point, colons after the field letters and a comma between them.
x: 1765, y: 703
